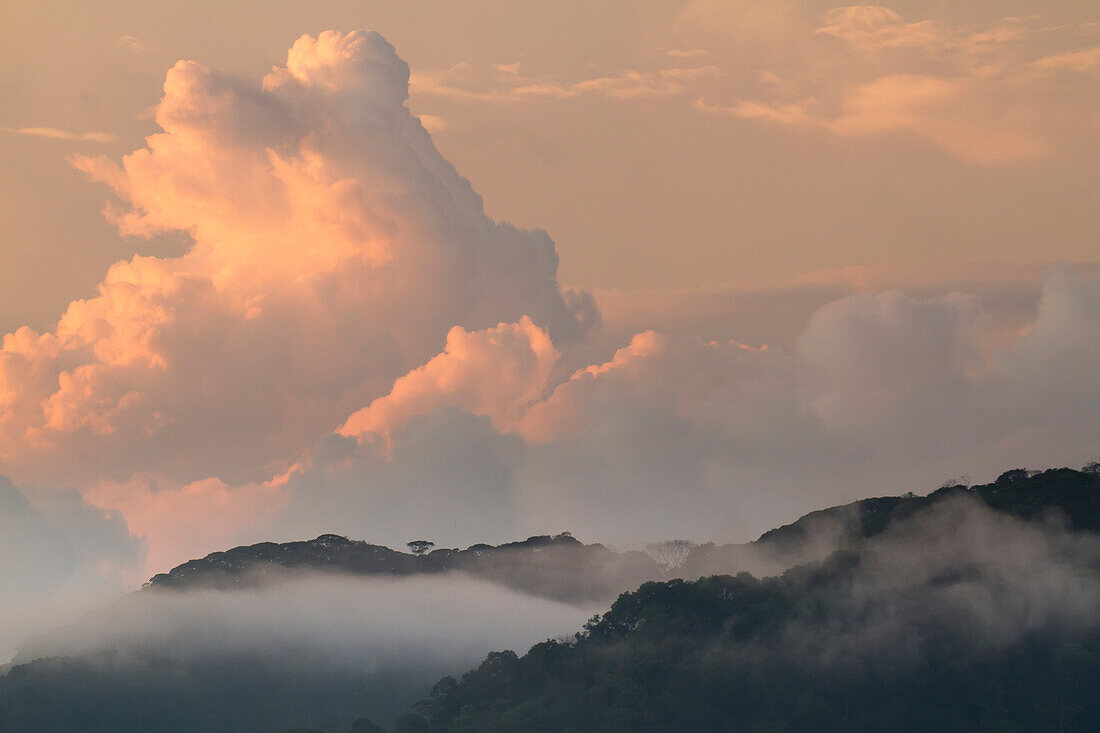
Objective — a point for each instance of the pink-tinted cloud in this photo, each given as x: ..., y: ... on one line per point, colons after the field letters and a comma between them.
x: 507, y: 82
x: 53, y: 133
x: 498, y: 372
x: 996, y: 94
x: 333, y: 250
x: 187, y: 521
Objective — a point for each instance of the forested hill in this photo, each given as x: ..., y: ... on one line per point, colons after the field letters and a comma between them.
x: 955, y: 612
x: 558, y: 567
x: 562, y: 568
x: 1075, y: 495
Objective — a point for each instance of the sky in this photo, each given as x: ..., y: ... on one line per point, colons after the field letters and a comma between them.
x: 475, y: 271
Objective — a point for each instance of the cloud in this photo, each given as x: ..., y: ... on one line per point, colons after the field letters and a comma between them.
x: 687, y: 53
x: 131, y: 43
x: 496, y: 373
x: 877, y: 27
x: 924, y: 348
x: 373, y: 646
x: 52, y: 133
x: 673, y: 436
x: 187, y: 521
x: 507, y: 83
x: 1083, y: 62
x: 58, y: 557
x: 432, y: 123
x: 791, y: 113
x: 333, y: 250
x: 386, y: 620
x: 972, y: 91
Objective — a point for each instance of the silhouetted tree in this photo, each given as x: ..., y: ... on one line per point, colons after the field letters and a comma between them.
x: 420, y: 547
x: 670, y: 554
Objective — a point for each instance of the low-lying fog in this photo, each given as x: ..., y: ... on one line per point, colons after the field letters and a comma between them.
x: 453, y: 620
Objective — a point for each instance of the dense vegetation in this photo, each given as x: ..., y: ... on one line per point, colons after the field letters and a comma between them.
x: 122, y: 694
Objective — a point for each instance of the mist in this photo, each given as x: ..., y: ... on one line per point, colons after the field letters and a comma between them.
x: 350, y: 621
x: 957, y: 575
x: 310, y: 649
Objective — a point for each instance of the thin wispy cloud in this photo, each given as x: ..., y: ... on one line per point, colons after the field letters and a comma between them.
x: 507, y: 82
x: 994, y: 94
x: 131, y: 43
x: 53, y: 133
x: 691, y: 53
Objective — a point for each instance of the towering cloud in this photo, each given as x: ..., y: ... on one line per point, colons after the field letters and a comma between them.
x: 334, y: 248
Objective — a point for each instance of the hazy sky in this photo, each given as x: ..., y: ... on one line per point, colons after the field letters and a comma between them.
x: 633, y: 270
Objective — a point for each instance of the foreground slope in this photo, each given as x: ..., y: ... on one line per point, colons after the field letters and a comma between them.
x: 968, y: 610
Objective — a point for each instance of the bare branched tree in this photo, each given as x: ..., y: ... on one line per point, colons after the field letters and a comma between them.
x: 670, y: 554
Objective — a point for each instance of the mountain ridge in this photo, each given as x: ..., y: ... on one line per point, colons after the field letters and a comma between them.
x: 564, y: 568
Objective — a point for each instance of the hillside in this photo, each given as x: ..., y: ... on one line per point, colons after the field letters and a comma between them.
x: 954, y: 612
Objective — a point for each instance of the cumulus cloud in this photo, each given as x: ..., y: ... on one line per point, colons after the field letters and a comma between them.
x: 498, y: 373
x: 674, y: 436
x: 334, y: 248
x: 671, y: 436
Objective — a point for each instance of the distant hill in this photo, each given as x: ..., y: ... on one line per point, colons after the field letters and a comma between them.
x: 562, y: 568
x: 557, y: 567
x: 1061, y: 494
